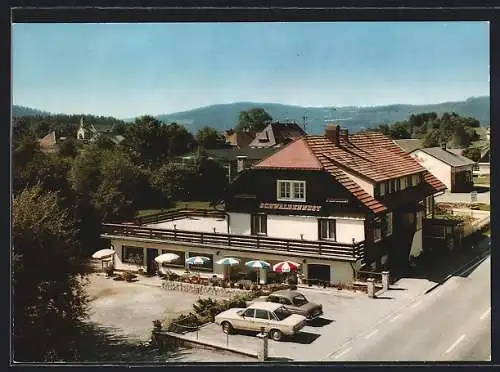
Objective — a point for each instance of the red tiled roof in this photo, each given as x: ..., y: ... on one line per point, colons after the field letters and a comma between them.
x: 370, y: 155
x: 295, y: 155
x: 290, y: 207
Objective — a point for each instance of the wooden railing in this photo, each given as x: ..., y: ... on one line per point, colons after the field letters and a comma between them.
x: 177, y: 214
x: 325, y: 248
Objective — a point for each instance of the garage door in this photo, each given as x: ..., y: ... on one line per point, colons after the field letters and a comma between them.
x: 318, y: 273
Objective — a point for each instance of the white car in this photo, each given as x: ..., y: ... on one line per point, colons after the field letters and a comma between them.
x: 275, y: 318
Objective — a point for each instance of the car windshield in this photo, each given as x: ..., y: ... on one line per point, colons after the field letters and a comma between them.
x: 281, y: 313
x: 299, y: 300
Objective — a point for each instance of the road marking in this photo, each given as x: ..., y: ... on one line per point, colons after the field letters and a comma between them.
x: 371, y: 334
x: 455, y: 344
x: 394, y: 318
x: 342, y: 353
x: 415, y: 304
x: 485, y: 314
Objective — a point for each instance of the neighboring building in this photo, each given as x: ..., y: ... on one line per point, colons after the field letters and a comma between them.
x: 86, y: 131
x: 237, y: 160
x: 239, y: 139
x: 277, y: 134
x: 409, y: 144
x: 49, y: 142
x: 336, y: 204
x: 454, y: 170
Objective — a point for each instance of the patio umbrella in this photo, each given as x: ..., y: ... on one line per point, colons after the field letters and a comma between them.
x: 166, y: 257
x: 103, y: 253
x: 228, y: 261
x: 258, y: 264
x: 285, y: 267
x: 197, y: 260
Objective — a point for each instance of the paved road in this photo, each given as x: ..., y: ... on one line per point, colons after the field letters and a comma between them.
x: 451, y: 323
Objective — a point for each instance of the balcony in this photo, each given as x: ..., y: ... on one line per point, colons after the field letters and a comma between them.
x: 256, y: 243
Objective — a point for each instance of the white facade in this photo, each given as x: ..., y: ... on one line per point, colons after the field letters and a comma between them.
x: 365, y: 185
x: 416, y: 244
x: 437, y: 168
x: 299, y: 227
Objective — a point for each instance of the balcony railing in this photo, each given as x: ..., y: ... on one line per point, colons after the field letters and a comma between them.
x: 327, y: 249
x: 178, y: 214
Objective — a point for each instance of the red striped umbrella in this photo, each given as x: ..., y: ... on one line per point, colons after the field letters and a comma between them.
x: 285, y: 267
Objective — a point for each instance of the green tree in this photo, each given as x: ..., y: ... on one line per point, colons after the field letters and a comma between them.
x: 48, y: 291
x: 460, y: 137
x: 173, y: 181
x: 472, y: 153
x: 208, y: 138
x: 431, y: 139
x: 399, y: 131
x: 254, y: 119
x: 68, y: 147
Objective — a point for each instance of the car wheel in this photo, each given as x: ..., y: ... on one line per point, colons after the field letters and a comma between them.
x: 276, y: 334
x: 227, y: 328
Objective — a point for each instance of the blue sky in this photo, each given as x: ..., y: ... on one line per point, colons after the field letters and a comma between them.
x: 126, y: 70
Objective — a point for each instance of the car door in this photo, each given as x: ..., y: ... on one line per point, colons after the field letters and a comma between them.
x: 247, y: 320
x: 261, y: 319
x: 288, y: 304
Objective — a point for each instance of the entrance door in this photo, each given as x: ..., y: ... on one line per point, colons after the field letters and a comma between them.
x: 317, y: 273
x: 150, y: 260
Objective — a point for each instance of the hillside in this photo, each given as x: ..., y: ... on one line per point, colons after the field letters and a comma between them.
x: 225, y: 116
x: 27, y: 111
x: 355, y: 118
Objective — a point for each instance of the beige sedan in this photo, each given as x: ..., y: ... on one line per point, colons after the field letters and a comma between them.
x: 275, y: 319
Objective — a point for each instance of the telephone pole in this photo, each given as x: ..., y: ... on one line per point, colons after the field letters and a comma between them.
x: 304, y: 123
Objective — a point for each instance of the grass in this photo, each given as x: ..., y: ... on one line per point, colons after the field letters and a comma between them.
x: 483, y: 179
x: 189, y: 204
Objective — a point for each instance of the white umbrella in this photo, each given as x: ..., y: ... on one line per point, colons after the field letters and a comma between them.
x: 258, y: 264
x: 103, y: 253
x: 228, y: 261
x: 286, y: 267
x: 197, y: 260
x: 166, y: 257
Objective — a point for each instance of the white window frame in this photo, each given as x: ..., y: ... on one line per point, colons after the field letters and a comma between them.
x: 414, y: 180
x: 403, y: 183
x: 259, y: 217
x: 381, y: 188
x: 377, y: 229
x: 331, y: 235
x: 388, y: 224
x: 292, y: 185
x: 419, y: 217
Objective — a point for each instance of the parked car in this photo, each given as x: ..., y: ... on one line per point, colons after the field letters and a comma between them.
x: 295, y: 302
x: 275, y: 318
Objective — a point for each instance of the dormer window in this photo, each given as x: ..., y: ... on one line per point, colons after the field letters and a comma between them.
x: 289, y: 190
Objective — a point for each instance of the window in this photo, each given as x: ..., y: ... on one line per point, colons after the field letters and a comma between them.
x: 403, y: 183
x: 377, y: 229
x: 133, y: 255
x: 261, y: 314
x: 389, y: 187
x: 428, y: 206
x: 284, y: 301
x: 274, y: 299
x: 259, y: 224
x: 249, y: 313
x: 327, y: 229
x: 382, y: 189
x: 397, y: 185
x: 415, y: 179
x: 291, y: 190
x: 388, y: 224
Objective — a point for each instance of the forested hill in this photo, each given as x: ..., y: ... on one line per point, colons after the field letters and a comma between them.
x: 225, y: 116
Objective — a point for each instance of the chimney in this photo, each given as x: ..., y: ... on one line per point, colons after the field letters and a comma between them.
x: 344, y: 133
x: 443, y: 146
x: 241, y: 161
x: 332, y: 133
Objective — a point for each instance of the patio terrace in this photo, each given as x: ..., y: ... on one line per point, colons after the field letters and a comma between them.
x: 196, y: 227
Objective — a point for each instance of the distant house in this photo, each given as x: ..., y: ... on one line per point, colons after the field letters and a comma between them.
x: 452, y: 169
x: 239, y: 139
x: 277, y: 134
x: 237, y: 160
x: 49, y: 142
x: 89, y: 133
